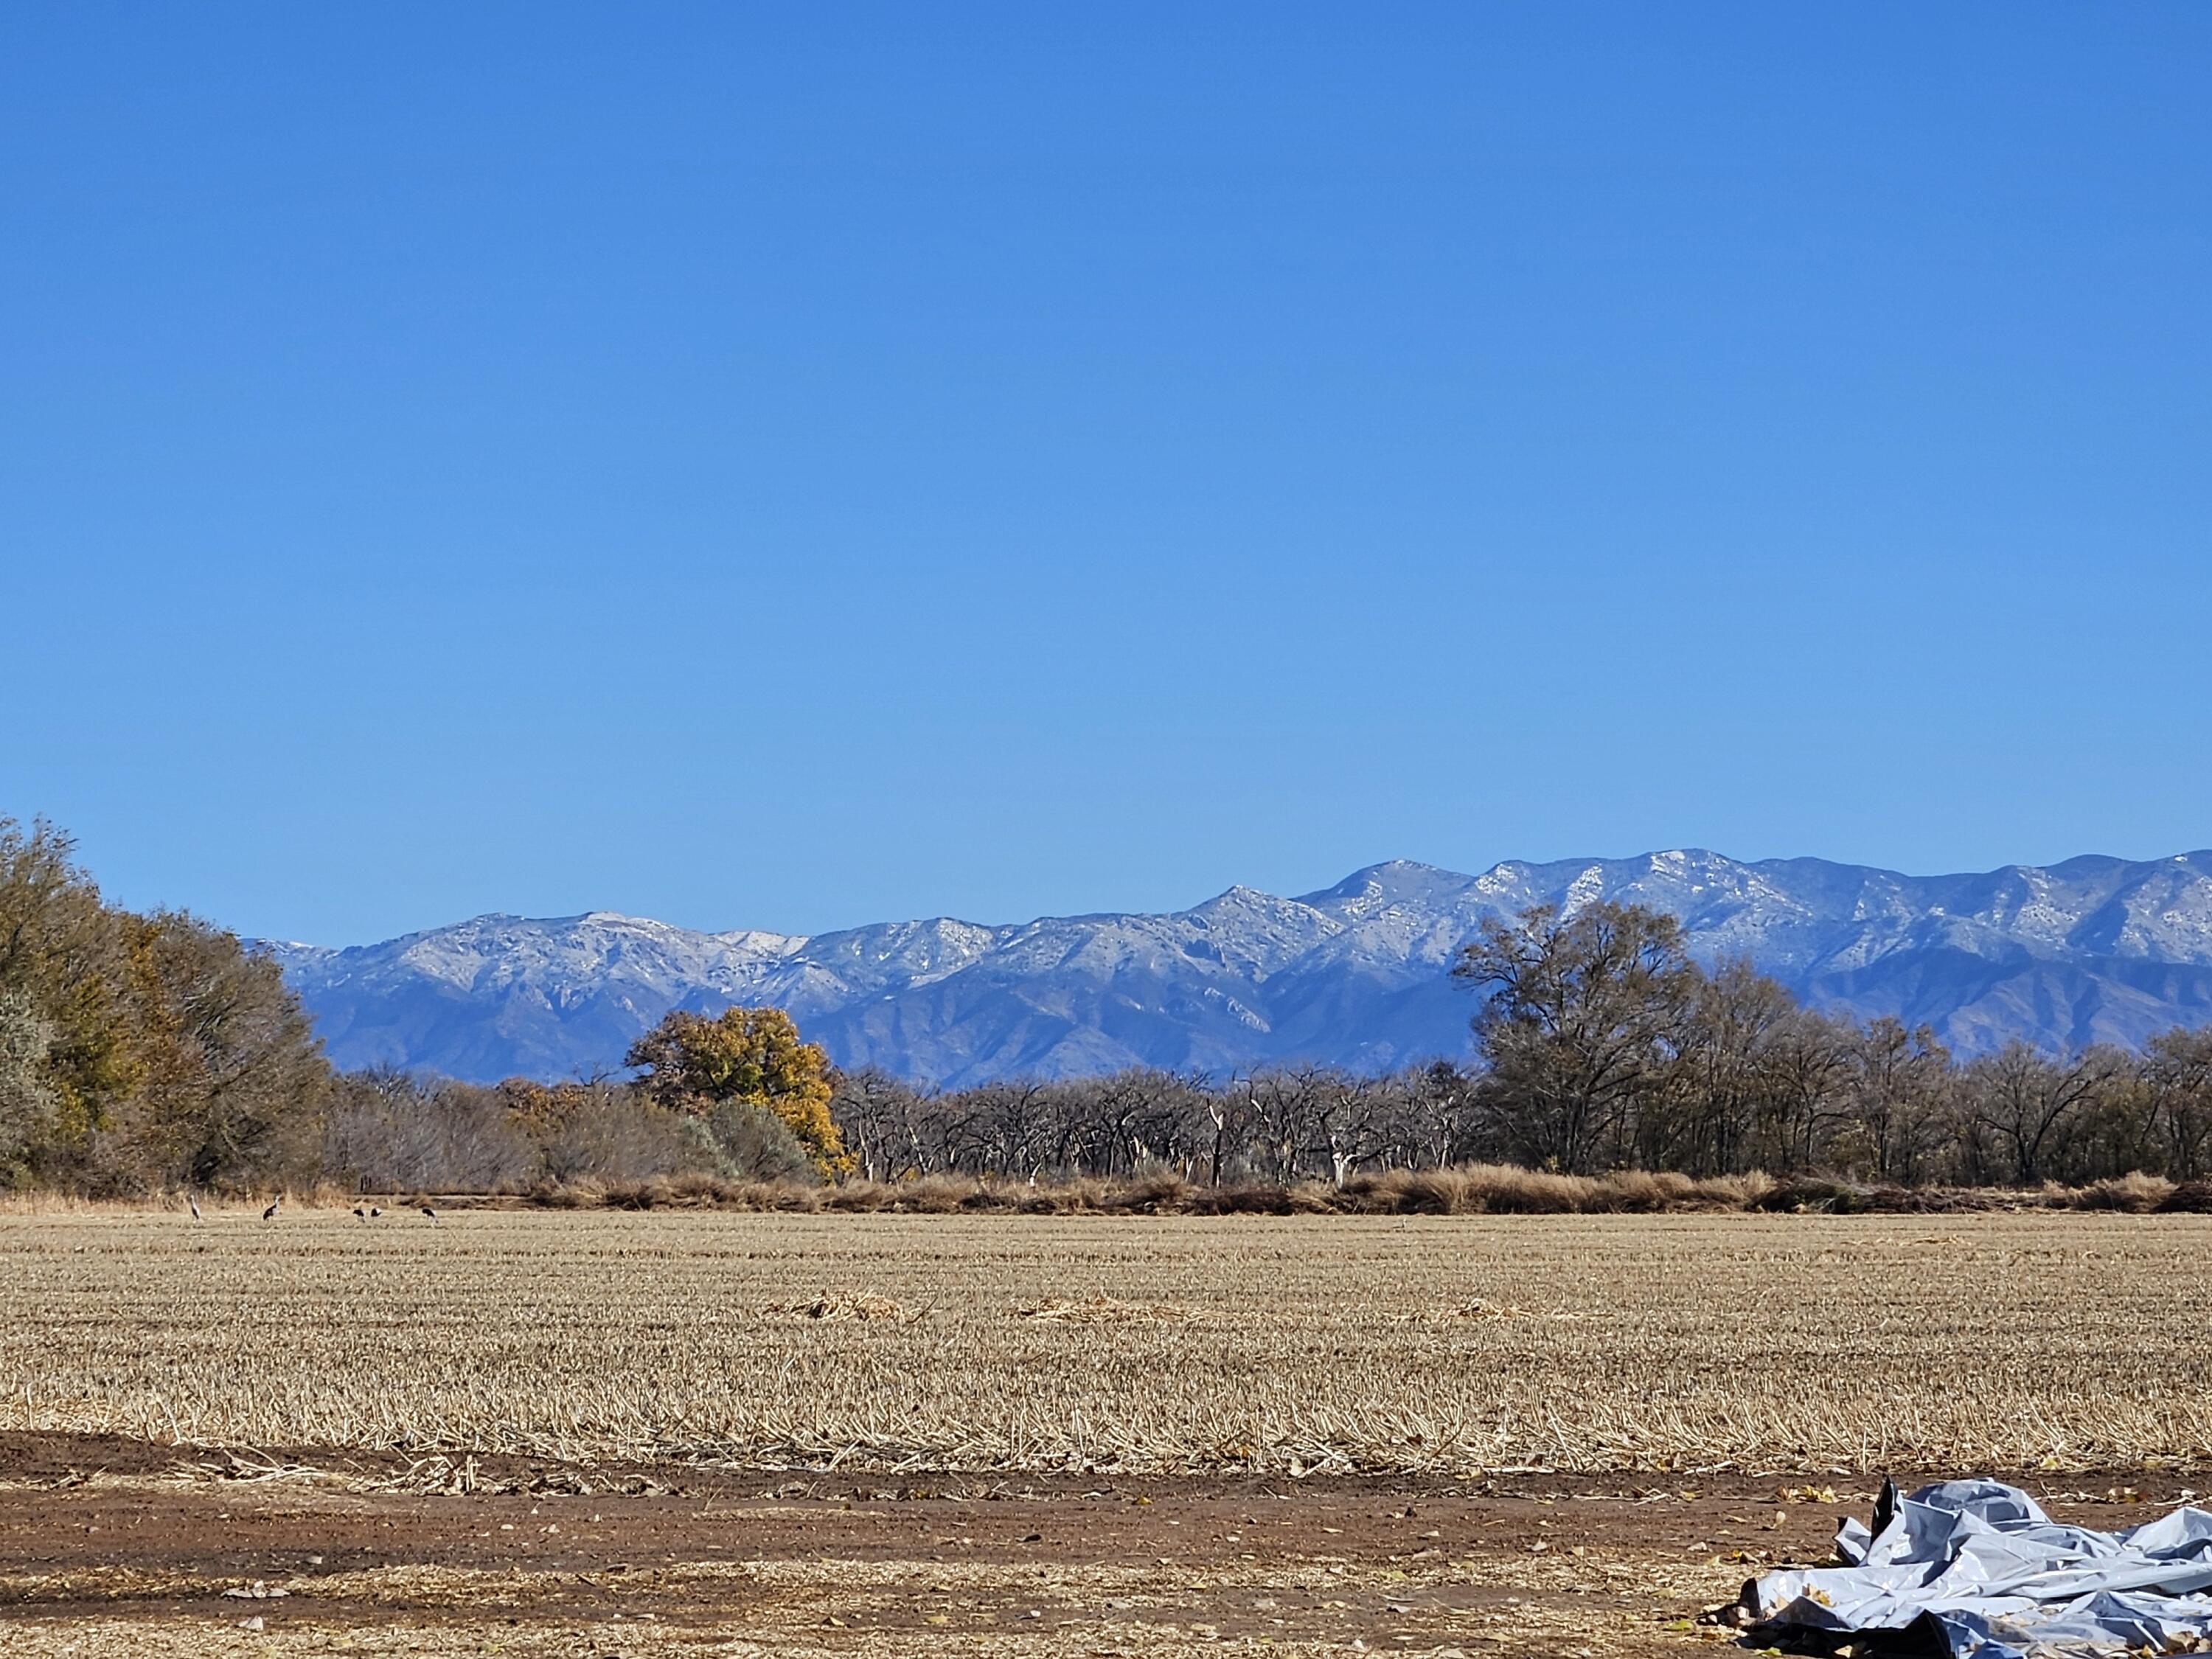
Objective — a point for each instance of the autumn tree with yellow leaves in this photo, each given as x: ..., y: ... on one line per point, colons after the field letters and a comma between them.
x: 750, y: 1057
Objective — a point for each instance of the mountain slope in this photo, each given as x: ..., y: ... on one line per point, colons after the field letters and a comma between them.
x: 2092, y: 950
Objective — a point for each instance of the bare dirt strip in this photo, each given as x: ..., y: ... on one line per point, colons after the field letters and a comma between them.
x: 116, y: 1548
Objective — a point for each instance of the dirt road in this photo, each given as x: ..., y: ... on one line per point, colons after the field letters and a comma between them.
x: 116, y: 1548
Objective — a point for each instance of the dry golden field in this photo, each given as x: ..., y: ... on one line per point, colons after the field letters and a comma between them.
x: 1283, y: 1346
x: 875, y: 1437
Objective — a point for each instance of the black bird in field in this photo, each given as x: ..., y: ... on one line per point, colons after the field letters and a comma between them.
x: 362, y: 1213
x: 428, y: 1211
x: 270, y: 1214
x: 193, y: 1205
x: 374, y: 1210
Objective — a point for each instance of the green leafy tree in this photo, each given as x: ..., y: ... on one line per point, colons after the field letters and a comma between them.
x: 141, y: 1051
x: 27, y: 1101
x: 68, y: 960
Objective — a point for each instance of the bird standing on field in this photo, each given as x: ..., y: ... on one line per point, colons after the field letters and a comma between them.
x: 193, y: 1205
x: 362, y: 1213
x: 428, y: 1211
x: 374, y: 1210
x: 270, y: 1214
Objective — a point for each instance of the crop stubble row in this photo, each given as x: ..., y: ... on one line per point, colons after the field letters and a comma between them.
x: 1451, y: 1344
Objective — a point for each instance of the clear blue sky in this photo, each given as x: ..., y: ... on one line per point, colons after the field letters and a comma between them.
x: 794, y: 465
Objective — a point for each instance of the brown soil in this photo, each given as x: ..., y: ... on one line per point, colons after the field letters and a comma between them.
x: 112, y: 1547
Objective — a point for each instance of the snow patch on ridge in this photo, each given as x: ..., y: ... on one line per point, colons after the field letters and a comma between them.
x: 1347, y: 974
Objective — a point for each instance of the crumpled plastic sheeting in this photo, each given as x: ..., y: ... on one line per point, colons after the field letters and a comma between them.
x: 1974, y: 1568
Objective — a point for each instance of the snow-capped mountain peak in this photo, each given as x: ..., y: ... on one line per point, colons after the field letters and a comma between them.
x: 2094, y: 949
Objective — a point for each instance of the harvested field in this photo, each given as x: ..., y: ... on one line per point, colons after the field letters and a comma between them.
x: 609, y: 1432
x: 143, y: 1559
x: 1442, y: 1349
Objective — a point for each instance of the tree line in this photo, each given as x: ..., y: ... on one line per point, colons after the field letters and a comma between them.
x: 1599, y: 1045
x: 143, y: 1053
x: 1873, y: 1104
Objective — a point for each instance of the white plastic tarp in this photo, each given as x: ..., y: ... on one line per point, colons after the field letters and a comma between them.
x: 1972, y: 1567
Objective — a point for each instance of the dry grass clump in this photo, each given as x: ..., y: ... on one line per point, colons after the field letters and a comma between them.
x: 1158, y: 1195
x: 1106, y: 1310
x: 1479, y: 1309
x: 841, y: 1304
x: 2190, y: 1198
x: 689, y: 1190
x: 1506, y: 1189
x: 1247, y: 1343
x: 1469, y: 1189
x: 2136, y: 1193
x: 1478, y: 1189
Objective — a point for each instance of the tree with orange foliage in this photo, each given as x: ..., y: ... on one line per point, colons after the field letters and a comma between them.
x: 750, y: 1056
